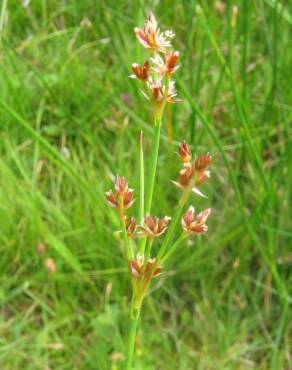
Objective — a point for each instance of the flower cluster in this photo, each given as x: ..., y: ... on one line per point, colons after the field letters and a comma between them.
x: 192, y: 224
x: 122, y: 199
x: 192, y: 174
x: 150, y: 36
x: 153, y: 226
x: 140, y: 266
x: 156, y: 72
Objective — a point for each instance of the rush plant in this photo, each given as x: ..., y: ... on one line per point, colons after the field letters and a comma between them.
x: 139, y: 234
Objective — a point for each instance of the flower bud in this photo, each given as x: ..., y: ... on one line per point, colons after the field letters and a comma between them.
x: 203, y: 162
x: 184, y: 152
x: 136, y: 265
x: 170, y: 61
x: 122, y: 198
x: 140, y: 267
x: 141, y: 72
x: 185, y: 175
x: 130, y: 223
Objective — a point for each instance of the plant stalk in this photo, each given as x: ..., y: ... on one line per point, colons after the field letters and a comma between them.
x: 142, y: 190
x: 153, y: 166
x: 171, y: 230
x: 153, y: 163
x: 132, y: 336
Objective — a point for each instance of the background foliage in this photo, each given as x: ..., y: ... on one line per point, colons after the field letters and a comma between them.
x: 70, y: 120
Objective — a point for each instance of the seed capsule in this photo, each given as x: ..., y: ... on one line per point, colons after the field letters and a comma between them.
x: 195, y: 224
x: 153, y: 226
x: 184, y: 152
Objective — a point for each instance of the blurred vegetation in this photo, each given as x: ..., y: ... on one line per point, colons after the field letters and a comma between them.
x: 70, y: 120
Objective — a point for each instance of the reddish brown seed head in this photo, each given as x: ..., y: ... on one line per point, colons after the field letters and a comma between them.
x: 130, y: 223
x: 151, y: 267
x: 150, y: 36
x: 121, y: 185
x: 122, y: 197
x: 112, y: 199
x: 153, y: 226
x: 141, y: 72
x: 171, y: 59
x: 157, y: 91
x: 203, y: 162
x: 184, y: 152
x: 136, y: 265
x: 139, y: 267
x: 185, y: 175
x: 195, y: 224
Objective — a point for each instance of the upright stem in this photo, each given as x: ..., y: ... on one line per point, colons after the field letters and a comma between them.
x: 153, y: 163
x: 142, y: 195
x: 129, y: 250
x: 132, y: 336
x: 174, y: 247
x: 173, y: 224
x: 153, y: 166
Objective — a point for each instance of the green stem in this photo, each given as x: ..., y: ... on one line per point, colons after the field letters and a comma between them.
x: 142, y: 191
x: 149, y: 247
x: 173, y: 224
x: 129, y: 249
x: 153, y: 166
x: 132, y: 336
x: 153, y: 163
x: 174, y: 247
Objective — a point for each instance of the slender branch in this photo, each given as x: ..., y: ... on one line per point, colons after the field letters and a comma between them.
x: 173, y: 248
x: 171, y: 230
x: 149, y: 247
x: 129, y: 249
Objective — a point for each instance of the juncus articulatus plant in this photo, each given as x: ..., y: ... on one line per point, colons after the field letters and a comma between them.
x: 155, y: 77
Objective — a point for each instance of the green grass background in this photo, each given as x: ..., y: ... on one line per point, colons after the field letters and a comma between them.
x: 224, y: 301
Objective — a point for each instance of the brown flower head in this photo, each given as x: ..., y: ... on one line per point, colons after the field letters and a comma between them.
x: 194, y: 174
x: 157, y: 91
x: 150, y: 36
x: 166, y: 66
x: 185, y: 175
x: 184, y: 152
x: 201, y: 171
x: 139, y: 267
x: 141, y: 72
x: 171, y: 59
x: 195, y: 224
x: 203, y: 162
x: 130, y: 223
x: 122, y: 197
x: 153, y: 226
